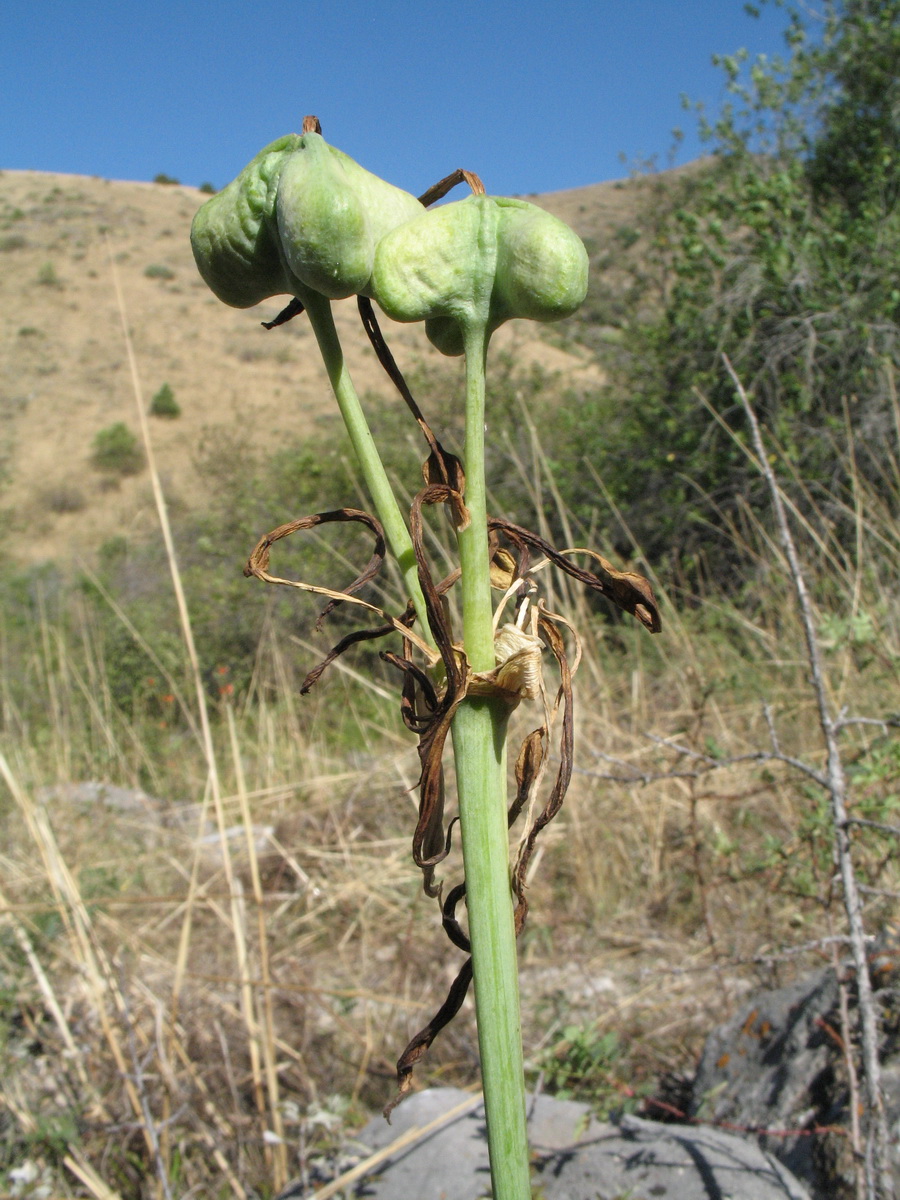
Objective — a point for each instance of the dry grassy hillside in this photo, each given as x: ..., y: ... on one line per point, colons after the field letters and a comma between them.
x: 213, y: 941
x: 63, y: 370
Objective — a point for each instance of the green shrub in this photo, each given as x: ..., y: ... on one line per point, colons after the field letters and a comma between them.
x: 12, y: 241
x: 207, y: 188
x: 780, y: 252
x: 163, y: 178
x: 116, y: 451
x: 47, y: 276
x: 164, y: 403
x: 590, y: 1066
x: 159, y: 271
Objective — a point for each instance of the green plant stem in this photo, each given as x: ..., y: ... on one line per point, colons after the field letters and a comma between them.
x: 478, y: 632
x: 395, y: 530
x: 479, y: 742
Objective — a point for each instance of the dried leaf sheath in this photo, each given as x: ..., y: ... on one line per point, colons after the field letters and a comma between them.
x: 431, y: 693
x: 629, y: 591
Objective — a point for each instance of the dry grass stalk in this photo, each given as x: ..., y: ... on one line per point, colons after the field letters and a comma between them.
x: 278, y: 1154
x: 333, y: 983
x: 89, y: 1177
x: 268, y: 1022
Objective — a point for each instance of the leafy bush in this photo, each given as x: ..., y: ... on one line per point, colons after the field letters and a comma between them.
x: 589, y: 1066
x: 166, y: 179
x: 781, y: 254
x: 116, y: 451
x: 164, y: 403
x: 159, y: 271
x: 47, y: 276
x: 207, y: 188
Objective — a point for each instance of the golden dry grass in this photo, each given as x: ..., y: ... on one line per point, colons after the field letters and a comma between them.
x: 205, y: 988
x: 63, y: 375
x: 195, y: 979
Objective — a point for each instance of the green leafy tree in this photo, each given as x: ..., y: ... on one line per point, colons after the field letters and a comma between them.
x: 116, y: 451
x: 781, y: 254
x: 164, y: 403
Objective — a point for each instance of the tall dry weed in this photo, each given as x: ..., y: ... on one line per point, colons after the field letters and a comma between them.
x: 212, y: 937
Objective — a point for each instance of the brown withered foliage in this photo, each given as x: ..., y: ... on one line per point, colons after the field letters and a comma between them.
x: 436, y: 680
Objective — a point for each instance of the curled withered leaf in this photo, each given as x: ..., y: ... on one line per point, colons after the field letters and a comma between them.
x: 441, y: 466
x: 423, y: 1039
x: 437, y: 619
x: 258, y: 566
x: 421, y: 689
x: 352, y: 639
x: 259, y: 559
x: 627, y: 590
x: 450, y: 921
x: 294, y: 309
x: 646, y: 611
x: 530, y: 764
x: 503, y: 569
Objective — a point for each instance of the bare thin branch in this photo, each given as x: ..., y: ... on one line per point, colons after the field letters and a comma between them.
x: 879, y: 1181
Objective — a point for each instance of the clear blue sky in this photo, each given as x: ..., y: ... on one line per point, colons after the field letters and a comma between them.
x: 534, y: 95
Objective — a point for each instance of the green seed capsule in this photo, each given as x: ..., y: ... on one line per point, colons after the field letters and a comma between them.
x: 479, y: 261
x: 301, y: 217
x: 542, y: 265
x: 233, y: 234
x: 331, y: 213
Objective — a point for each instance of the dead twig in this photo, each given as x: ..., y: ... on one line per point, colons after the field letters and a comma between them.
x: 879, y: 1181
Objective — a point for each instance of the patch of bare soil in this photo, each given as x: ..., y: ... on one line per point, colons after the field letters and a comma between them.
x: 63, y: 367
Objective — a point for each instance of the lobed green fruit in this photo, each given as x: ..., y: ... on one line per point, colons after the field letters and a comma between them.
x: 477, y: 263
x: 542, y: 265
x: 301, y: 217
x: 331, y: 214
x: 233, y: 235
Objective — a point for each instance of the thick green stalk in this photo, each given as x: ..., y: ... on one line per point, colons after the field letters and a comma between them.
x: 478, y: 634
x: 479, y: 742
x: 321, y: 319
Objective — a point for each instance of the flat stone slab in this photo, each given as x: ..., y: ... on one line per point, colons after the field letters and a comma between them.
x: 574, y: 1157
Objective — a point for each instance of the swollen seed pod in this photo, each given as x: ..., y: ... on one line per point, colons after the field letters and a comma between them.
x: 233, y: 236
x: 542, y: 265
x: 301, y: 217
x: 331, y: 213
x: 479, y: 262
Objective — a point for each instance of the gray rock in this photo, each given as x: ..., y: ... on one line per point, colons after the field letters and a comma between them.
x: 574, y: 1157
x: 773, y: 1066
x: 778, y: 1065
x: 91, y: 793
